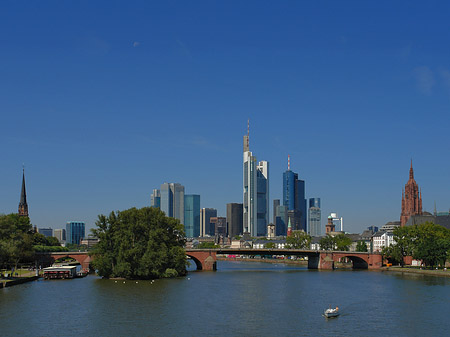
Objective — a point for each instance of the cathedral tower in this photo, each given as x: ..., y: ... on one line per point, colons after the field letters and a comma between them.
x: 411, y: 199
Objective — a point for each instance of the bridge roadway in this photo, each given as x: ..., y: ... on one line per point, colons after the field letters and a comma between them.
x: 206, y: 259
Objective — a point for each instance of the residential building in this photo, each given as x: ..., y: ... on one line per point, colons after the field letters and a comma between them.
x: 255, y: 193
x: 294, y: 198
x: 47, y: 232
x: 155, y: 198
x: 206, y: 227
x: 60, y: 234
x: 75, y: 232
x: 192, y: 215
x: 172, y: 200
x: 314, y: 214
x: 234, y: 219
x: 411, y: 199
x: 382, y: 239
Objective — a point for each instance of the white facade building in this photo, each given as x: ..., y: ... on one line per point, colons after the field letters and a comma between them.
x: 382, y: 239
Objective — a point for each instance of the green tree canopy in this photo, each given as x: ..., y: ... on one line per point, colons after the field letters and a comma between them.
x: 343, y: 242
x: 139, y: 244
x: 270, y: 245
x: 361, y: 246
x: 327, y: 242
x: 298, y: 240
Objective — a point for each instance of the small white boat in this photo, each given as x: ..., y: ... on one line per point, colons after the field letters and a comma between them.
x: 331, y: 312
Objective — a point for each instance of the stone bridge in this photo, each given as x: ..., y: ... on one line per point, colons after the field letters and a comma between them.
x: 47, y: 259
x: 206, y: 259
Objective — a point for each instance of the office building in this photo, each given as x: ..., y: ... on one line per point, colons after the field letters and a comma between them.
x: 234, y: 219
x: 314, y: 213
x: 60, y: 234
x: 294, y: 198
x: 220, y: 225
x: 75, y: 232
x: 192, y: 215
x: 155, y: 198
x: 172, y: 200
x: 281, y: 220
x: 276, y: 203
x: 206, y: 227
x: 47, y: 232
x: 256, y: 193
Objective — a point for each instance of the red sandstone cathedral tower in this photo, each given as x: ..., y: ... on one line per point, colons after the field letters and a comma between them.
x: 411, y: 199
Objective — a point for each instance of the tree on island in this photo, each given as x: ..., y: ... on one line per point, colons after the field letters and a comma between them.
x: 139, y: 244
x: 298, y: 240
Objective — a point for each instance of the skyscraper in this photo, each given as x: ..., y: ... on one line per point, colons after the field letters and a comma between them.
x: 281, y: 220
x: 294, y: 198
x: 411, y: 199
x: 172, y: 200
x: 314, y: 212
x: 192, y: 215
x: 75, y: 231
x: 60, y: 234
x: 155, y: 199
x: 23, y: 206
x: 206, y: 227
x: 256, y: 193
x: 234, y: 219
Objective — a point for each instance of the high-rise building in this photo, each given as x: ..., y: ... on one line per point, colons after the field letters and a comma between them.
x: 172, y: 200
x: 60, y: 234
x: 47, y: 232
x: 314, y: 227
x: 155, y: 198
x: 411, y: 199
x: 220, y: 225
x: 256, y: 193
x: 294, y: 198
x: 276, y: 203
x: 234, y: 219
x: 192, y: 215
x: 206, y: 227
x: 75, y: 231
x: 281, y: 220
x: 23, y: 206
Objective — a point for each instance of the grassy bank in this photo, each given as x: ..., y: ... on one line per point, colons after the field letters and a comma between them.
x: 430, y: 272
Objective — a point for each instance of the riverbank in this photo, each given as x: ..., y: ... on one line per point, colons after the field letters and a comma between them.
x: 428, y: 272
x: 12, y: 282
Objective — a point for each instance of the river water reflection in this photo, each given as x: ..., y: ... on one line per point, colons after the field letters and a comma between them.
x: 240, y: 299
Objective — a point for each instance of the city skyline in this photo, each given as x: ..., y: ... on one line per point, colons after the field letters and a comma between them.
x: 102, y: 113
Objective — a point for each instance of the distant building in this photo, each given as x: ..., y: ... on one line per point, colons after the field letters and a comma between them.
x: 47, y: 232
x: 256, y: 193
x: 206, y: 227
x: 60, y: 234
x: 155, y: 198
x: 234, y: 219
x: 315, y: 220
x: 172, y: 200
x: 271, y: 231
x: 192, y: 215
x: 294, y: 198
x: 23, y: 205
x: 281, y: 220
x: 220, y: 225
x: 330, y: 226
x: 442, y: 220
x: 89, y: 242
x: 390, y: 226
x: 276, y: 203
x: 382, y: 239
x: 411, y: 199
x: 75, y: 232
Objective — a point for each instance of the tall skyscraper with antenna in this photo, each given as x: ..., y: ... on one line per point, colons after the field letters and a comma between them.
x: 294, y: 198
x: 256, y: 191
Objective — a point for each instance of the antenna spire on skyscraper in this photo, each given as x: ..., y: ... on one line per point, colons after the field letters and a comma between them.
x: 289, y: 162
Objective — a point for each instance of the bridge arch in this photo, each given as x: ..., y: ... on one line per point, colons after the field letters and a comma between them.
x: 197, y: 261
x: 357, y: 261
x: 205, y: 260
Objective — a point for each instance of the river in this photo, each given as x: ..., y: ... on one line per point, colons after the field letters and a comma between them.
x: 240, y: 299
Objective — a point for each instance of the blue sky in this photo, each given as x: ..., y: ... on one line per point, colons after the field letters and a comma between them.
x: 104, y: 101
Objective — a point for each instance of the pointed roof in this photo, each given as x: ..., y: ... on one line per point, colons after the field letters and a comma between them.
x: 23, y: 194
x: 411, y: 172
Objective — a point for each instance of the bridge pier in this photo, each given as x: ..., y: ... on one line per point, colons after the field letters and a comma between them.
x: 326, y: 261
x: 205, y: 260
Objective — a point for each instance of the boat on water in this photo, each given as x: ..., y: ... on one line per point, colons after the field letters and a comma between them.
x: 328, y: 313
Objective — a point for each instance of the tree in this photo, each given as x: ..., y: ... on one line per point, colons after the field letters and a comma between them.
x: 327, y: 242
x: 298, y: 240
x: 404, y: 238
x: 139, y: 244
x: 431, y: 244
x: 361, y: 246
x: 270, y: 245
x: 342, y: 242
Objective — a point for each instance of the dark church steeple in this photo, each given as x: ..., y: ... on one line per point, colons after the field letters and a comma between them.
x: 23, y: 206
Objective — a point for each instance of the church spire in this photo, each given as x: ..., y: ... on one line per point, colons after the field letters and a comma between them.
x: 23, y: 206
x: 411, y: 171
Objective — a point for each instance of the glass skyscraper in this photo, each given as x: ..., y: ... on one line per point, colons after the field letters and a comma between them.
x: 206, y: 227
x: 294, y: 199
x: 75, y: 232
x: 155, y: 199
x: 315, y: 223
x: 172, y: 200
x: 192, y: 215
